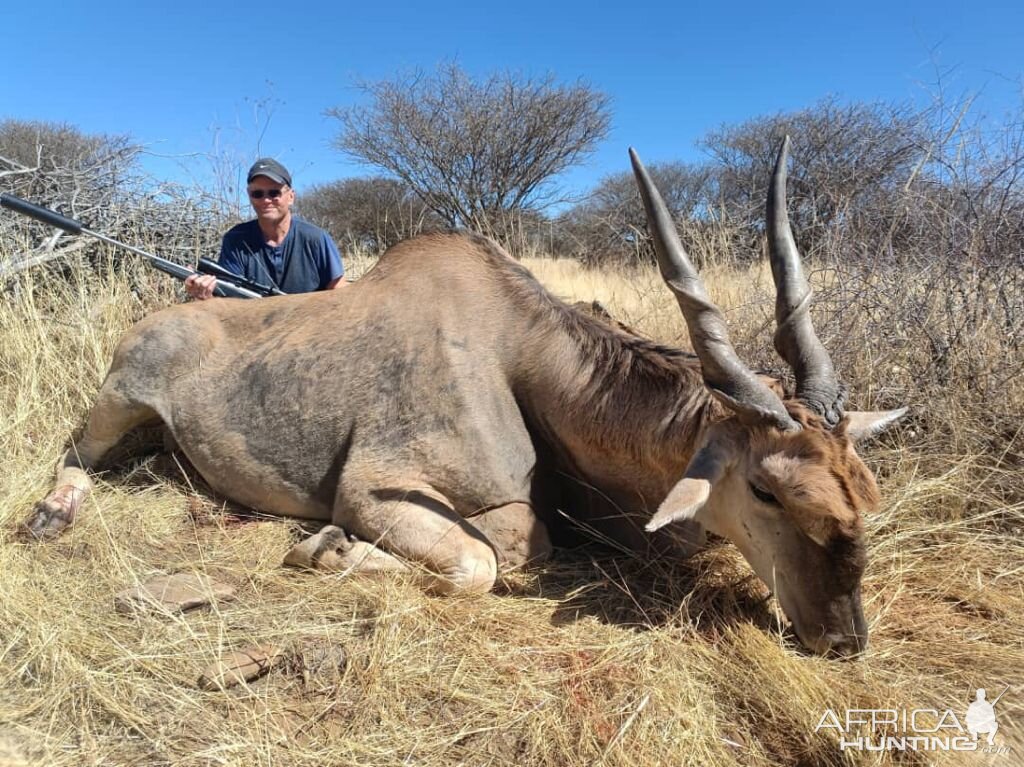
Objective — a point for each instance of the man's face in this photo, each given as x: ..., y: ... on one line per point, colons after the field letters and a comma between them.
x: 269, y: 199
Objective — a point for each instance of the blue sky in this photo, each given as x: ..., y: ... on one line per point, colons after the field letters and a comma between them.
x: 191, y: 80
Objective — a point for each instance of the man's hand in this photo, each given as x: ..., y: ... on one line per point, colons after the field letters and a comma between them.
x: 200, y: 286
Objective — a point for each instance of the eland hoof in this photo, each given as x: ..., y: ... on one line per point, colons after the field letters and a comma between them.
x: 330, y: 549
x: 54, y: 514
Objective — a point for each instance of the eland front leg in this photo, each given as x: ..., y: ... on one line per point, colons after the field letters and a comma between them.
x: 513, y: 531
x: 405, y: 529
x: 519, y: 537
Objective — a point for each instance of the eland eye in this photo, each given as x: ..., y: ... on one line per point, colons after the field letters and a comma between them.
x: 763, y: 495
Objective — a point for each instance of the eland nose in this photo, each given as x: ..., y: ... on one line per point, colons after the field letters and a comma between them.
x: 846, y: 645
x: 849, y: 636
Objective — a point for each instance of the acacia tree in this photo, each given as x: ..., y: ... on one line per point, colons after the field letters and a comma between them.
x: 477, y: 152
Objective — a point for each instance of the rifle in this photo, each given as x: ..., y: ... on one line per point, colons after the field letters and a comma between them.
x: 228, y: 283
x: 206, y: 266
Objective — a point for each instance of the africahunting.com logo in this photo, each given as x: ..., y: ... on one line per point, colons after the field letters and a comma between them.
x: 919, y: 729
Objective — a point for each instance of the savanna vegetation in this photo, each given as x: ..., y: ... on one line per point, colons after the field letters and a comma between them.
x: 912, y: 223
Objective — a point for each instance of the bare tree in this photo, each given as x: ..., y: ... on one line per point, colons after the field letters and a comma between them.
x: 366, y: 215
x: 610, y: 226
x: 846, y: 158
x: 475, y: 151
x: 95, y: 179
x: 58, y: 166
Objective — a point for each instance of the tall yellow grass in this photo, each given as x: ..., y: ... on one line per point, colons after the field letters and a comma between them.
x: 589, y: 660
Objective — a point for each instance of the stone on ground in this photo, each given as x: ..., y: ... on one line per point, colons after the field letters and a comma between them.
x: 176, y: 593
x: 241, y: 666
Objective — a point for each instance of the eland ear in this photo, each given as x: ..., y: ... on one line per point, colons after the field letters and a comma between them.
x: 687, y: 498
x: 683, y: 502
x: 864, y: 424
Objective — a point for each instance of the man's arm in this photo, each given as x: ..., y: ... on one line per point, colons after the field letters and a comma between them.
x: 201, y: 286
x: 331, y: 266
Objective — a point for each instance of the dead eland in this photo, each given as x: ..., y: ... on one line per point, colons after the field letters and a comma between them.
x: 436, y: 413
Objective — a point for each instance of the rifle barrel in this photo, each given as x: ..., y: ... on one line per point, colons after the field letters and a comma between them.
x: 53, y: 218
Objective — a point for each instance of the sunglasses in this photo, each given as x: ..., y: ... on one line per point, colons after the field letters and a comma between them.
x: 259, y: 194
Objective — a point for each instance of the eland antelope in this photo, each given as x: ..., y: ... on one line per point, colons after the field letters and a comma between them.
x: 437, y: 411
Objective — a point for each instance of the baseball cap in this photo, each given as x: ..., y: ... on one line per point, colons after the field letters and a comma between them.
x: 272, y: 169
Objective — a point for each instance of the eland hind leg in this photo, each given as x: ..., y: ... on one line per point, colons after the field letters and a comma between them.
x: 111, y: 418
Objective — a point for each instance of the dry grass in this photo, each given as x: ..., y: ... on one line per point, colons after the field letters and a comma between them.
x: 591, y: 660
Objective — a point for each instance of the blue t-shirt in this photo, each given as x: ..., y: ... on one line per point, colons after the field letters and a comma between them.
x: 306, y: 260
